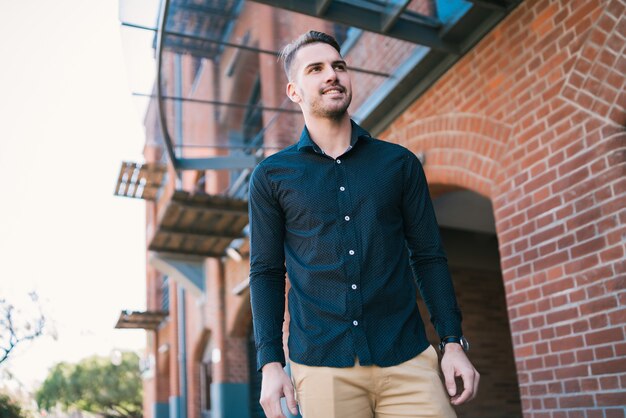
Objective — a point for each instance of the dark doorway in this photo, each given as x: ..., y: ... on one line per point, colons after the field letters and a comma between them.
x: 471, y: 244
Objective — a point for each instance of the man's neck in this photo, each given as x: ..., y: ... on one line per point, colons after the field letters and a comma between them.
x: 332, y: 136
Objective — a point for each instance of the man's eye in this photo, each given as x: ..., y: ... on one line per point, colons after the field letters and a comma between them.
x: 340, y: 67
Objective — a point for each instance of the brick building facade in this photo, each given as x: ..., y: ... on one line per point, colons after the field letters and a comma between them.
x: 524, y: 148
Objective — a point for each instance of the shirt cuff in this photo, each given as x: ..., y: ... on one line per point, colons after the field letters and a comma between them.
x: 451, y: 327
x: 269, y: 354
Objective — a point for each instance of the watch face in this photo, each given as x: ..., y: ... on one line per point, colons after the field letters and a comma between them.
x: 465, y: 344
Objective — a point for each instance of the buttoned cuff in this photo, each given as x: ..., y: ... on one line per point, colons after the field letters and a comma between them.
x: 269, y: 354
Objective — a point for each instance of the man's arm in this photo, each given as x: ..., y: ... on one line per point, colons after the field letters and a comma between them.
x: 430, y: 268
x: 267, y: 270
x: 267, y: 292
x: 426, y: 252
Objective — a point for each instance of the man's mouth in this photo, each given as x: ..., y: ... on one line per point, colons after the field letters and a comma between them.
x: 332, y: 90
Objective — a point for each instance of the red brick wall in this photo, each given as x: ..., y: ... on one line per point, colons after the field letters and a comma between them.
x: 533, y: 118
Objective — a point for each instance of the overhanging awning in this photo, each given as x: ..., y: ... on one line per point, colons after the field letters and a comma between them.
x: 148, y: 320
x: 199, y: 224
x: 186, y: 271
x: 430, y: 36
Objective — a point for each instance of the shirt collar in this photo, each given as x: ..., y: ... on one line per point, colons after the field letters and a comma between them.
x: 306, y: 142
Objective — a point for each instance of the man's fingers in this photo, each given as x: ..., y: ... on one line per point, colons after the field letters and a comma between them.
x: 290, y: 398
x: 476, y: 379
x: 448, y: 375
x: 470, y: 386
x: 274, y: 410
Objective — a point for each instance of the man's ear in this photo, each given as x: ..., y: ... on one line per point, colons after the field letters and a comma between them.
x: 292, y: 93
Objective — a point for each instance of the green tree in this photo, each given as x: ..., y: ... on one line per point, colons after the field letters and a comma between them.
x: 95, y: 385
x: 10, y: 409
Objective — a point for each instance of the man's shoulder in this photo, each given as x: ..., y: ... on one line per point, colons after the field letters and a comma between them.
x: 285, y: 153
x: 276, y: 160
x: 382, y: 145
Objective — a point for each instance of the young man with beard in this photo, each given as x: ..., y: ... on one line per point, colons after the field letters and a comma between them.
x: 351, y: 216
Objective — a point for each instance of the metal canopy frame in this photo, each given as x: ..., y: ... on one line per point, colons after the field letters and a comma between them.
x: 200, y: 46
x: 386, y: 18
x: 443, y: 42
x: 425, y: 65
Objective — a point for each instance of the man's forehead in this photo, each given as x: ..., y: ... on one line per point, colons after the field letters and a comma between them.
x: 317, y: 52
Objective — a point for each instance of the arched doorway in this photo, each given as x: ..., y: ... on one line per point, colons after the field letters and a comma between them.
x: 470, y: 240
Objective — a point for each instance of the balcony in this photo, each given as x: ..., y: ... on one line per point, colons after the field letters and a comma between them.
x: 199, y: 224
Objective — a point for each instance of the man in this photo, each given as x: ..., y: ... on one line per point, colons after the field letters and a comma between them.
x: 352, y: 218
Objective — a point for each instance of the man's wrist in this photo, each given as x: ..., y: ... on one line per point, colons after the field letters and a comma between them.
x: 453, y: 347
x: 452, y: 340
x: 272, y: 366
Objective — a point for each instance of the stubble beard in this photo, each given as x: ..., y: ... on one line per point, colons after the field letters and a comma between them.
x: 318, y: 108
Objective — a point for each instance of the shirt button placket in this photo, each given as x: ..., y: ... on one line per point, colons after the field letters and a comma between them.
x: 350, y: 242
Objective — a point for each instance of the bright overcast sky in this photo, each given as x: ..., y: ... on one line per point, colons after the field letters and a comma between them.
x: 67, y: 121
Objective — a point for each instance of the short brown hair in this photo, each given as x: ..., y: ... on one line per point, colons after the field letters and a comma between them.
x: 311, y: 37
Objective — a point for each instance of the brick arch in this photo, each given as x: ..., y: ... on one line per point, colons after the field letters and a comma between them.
x: 595, y: 82
x: 460, y: 149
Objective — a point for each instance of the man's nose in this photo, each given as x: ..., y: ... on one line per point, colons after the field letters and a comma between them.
x: 331, y: 74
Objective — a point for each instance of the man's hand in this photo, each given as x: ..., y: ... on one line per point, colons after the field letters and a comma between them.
x: 276, y: 384
x: 456, y: 364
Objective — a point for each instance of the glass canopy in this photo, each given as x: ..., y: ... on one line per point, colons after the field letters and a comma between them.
x: 222, y: 127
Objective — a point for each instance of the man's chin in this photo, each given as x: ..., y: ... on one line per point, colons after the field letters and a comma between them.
x: 337, y: 111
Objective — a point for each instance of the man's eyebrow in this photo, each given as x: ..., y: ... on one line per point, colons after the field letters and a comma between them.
x: 314, y: 64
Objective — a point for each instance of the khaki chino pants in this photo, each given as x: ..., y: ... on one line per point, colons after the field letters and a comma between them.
x: 410, y: 389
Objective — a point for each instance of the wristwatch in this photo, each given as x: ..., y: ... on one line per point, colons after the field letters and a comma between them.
x: 453, y: 339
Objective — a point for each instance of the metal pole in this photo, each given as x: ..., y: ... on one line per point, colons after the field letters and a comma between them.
x: 219, y: 103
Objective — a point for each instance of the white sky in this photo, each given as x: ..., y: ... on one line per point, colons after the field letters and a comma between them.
x: 67, y: 121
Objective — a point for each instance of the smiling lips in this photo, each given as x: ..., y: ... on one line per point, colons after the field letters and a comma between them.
x: 333, y: 90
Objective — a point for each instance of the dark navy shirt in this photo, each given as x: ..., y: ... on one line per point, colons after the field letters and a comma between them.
x: 357, y: 236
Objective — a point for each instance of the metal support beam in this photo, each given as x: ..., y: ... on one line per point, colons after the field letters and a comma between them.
x: 412, y: 27
x: 220, y: 103
x: 159, y: 84
x: 321, y: 6
x: 198, y: 235
x: 392, y: 12
x: 491, y: 4
x: 195, y: 8
x: 218, y: 163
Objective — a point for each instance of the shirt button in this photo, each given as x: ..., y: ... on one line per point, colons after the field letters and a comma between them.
x: 351, y: 252
x: 347, y: 218
x: 342, y: 188
x: 355, y: 323
x: 354, y: 287
x: 338, y: 161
